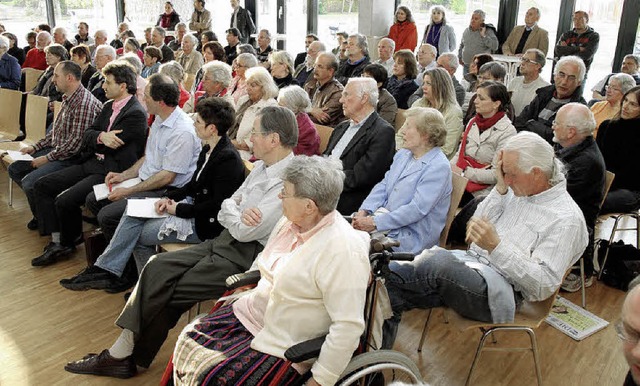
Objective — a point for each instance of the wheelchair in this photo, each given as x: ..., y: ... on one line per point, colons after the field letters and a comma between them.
x: 368, y: 366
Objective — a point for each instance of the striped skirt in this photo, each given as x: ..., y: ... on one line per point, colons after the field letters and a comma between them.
x: 216, y: 350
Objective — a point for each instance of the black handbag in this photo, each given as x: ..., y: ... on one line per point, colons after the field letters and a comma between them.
x: 94, y: 244
x: 623, y: 263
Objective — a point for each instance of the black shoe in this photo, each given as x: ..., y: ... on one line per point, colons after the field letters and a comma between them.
x: 103, y: 364
x: 33, y: 224
x: 90, y: 278
x: 52, y: 255
x: 91, y: 220
x: 118, y: 285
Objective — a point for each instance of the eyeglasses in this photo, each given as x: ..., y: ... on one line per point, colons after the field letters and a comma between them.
x: 562, y: 75
x: 284, y: 194
x: 626, y: 336
x: 525, y: 60
x: 609, y: 87
x: 258, y: 132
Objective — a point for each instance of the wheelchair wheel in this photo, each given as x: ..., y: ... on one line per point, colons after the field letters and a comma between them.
x: 380, y: 368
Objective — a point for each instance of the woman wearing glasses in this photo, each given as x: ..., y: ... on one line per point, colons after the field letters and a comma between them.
x: 618, y: 85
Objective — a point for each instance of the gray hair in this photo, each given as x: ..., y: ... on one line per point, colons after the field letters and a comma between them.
x: 633, y: 57
x: 219, y: 72
x: 333, y: 60
x: 247, y: 60
x: 101, y: 32
x: 481, y: 13
x: 391, y: 42
x: 535, y: 9
x: 57, y: 50
x: 582, y: 69
x: 4, y: 44
x: 496, y: 70
x: 295, y: 99
x: 160, y: 30
x: 581, y: 118
x: 319, y: 179
x: 192, y: 38
x: 429, y: 122
x: 319, y: 44
x: 539, y: 57
x: 45, y: 33
x: 282, y: 57
x: 361, y: 41
x: 431, y: 48
x: 452, y: 60
x: 173, y: 70
x: 626, y: 81
x: 181, y: 25
x: 535, y: 152
x: 246, y: 49
x: 266, y: 32
x: 368, y: 87
x: 279, y: 120
x: 62, y: 30
x: 108, y: 50
x: 263, y: 78
x: 134, y: 61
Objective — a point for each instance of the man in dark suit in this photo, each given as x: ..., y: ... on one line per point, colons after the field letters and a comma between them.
x: 113, y: 143
x: 157, y: 39
x: 241, y: 19
x: 365, y: 144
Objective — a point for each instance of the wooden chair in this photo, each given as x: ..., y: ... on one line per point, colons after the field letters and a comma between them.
x: 172, y: 247
x: 324, y: 132
x: 401, y: 117
x: 31, y: 76
x: 11, y: 102
x: 248, y: 167
x: 459, y: 183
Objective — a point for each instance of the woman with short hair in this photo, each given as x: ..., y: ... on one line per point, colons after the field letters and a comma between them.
x: 402, y: 83
x: 175, y: 71
x: 151, y: 59
x: 281, y: 67
x: 239, y: 83
x: 81, y: 55
x: 55, y: 53
x: 10, y: 71
x: 411, y: 203
x: 387, y: 106
x: 297, y: 100
x: 14, y: 50
x: 210, y: 51
x: 131, y: 45
x: 618, y: 86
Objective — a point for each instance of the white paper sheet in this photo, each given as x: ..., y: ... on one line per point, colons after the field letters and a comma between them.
x: 143, y: 207
x: 17, y: 156
x: 102, y: 190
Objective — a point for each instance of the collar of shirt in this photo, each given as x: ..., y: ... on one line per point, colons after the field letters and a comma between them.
x: 529, y: 28
x: 275, y: 170
x: 301, y: 237
x: 118, y: 105
x: 357, y: 61
x: 353, y: 124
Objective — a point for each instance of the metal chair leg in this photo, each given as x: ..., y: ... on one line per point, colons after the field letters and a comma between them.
x: 10, y: 192
x: 424, y: 330
x: 476, y: 358
x: 582, y: 280
x: 534, y: 349
x: 606, y: 254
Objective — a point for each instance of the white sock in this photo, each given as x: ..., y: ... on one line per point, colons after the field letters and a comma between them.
x: 55, y: 237
x: 123, y: 346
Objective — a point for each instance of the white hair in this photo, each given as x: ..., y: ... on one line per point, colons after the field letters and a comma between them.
x: 192, y: 38
x: 390, y: 41
x: 582, y: 69
x: 4, y: 44
x: 626, y: 81
x: 368, y: 87
x: 108, y: 50
x: 581, y: 118
x: 134, y: 61
x: 295, y: 99
x: 219, y: 72
x: 431, y: 48
x: 534, y: 152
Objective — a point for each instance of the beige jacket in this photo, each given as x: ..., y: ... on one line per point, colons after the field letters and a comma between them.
x: 539, y: 38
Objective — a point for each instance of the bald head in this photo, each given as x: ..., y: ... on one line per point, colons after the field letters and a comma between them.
x: 630, y: 330
x: 574, y: 122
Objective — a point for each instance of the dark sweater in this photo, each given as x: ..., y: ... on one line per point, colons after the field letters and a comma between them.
x: 619, y: 142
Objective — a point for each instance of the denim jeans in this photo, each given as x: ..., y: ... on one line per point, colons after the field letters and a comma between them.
x: 138, y: 236
x: 434, y: 278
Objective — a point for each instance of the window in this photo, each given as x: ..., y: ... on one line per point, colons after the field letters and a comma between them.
x: 336, y: 16
x: 21, y: 16
x: 98, y: 14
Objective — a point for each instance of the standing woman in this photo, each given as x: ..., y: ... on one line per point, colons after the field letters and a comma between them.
x: 440, y: 94
x: 402, y: 83
x: 438, y: 33
x: 404, y: 31
x: 169, y: 18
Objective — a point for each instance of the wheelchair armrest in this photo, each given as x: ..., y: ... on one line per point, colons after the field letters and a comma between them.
x: 243, y: 279
x: 304, y: 350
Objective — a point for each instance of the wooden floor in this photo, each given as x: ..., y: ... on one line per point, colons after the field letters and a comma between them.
x: 43, y: 325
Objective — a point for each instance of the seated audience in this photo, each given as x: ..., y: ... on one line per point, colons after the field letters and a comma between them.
x: 14, y: 50
x: 141, y: 83
x: 619, y: 141
x: 264, y: 46
x: 131, y: 45
x: 104, y: 55
x: 439, y: 94
x: 100, y: 38
x: 411, y: 203
x: 386, y: 49
x: 59, y: 148
x: 325, y: 91
x: 171, y: 283
x: 9, y: 67
x: 300, y: 58
x: 485, y: 135
x: 470, y: 79
x: 341, y: 37
x: 45, y: 86
x: 211, y: 51
x: 30, y: 37
x: 240, y: 66
x: 216, y: 79
x: 365, y: 143
x: 387, y: 107
x: 261, y: 92
x: 627, y: 330
x: 426, y: 55
x: 147, y: 38
x: 606, y: 109
x: 245, y: 48
x: 296, y: 99
x: 357, y: 58
x: 402, y: 83
x: 152, y: 58
x: 81, y: 56
x: 157, y: 38
x: 176, y: 43
x: 169, y: 161
x: 449, y: 62
x: 190, y: 59
x: 191, y: 209
x: 304, y: 71
x: 537, y: 117
x: 630, y: 66
x: 519, y: 249
x: 83, y: 37
x: 36, y: 58
x: 60, y: 37
x: 233, y: 40
x: 116, y: 42
x: 492, y: 71
x: 281, y: 67
x: 403, y: 31
x: 175, y: 71
x: 523, y: 88
x: 208, y: 36
x: 113, y: 143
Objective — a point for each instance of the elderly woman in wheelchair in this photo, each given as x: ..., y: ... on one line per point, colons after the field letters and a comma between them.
x: 314, y: 275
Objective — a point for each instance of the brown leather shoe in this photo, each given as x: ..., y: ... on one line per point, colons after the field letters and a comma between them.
x: 103, y: 364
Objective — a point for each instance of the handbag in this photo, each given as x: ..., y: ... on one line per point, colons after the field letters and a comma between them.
x: 94, y: 244
x: 465, y: 161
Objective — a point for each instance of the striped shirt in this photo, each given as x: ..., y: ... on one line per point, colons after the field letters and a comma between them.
x: 77, y: 113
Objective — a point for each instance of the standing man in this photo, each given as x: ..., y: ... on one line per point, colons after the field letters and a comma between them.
x: 83, y: 36
x: 478, y: 38
x: 241, y: 19
x: 302, y: 55
x: 386, y: 48
x: 113, y: 143
x: 357, y: 58
x: 200, y: 18
x: 233, y: 39
x: 157, y: 38
x: 365, y: 143
x: 524, y: 87
x: 325, y: 91
x: 581, y: 41
x: 527, y: 36
x: 59, y: 148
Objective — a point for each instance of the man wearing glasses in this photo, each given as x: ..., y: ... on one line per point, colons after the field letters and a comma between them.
x: 581, y: 41
x: 523, y: 88
x: 568, y: 76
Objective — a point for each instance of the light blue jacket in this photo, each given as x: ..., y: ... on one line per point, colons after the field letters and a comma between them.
x: 417, y: 196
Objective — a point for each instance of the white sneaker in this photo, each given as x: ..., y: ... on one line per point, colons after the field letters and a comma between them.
x: 573, y: 283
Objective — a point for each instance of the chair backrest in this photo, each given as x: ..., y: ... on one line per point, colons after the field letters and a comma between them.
x: 401, y: 116
x: 11, y: 101
x: 458, y: 183
x: 608, y: 180
x: 248, y: 167
x: 57, y: 106
x: 35, y: 117
x: 31, y: 76
x: 324, y: 132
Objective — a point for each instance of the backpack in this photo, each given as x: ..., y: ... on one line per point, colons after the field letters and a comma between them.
x: 623, y: 263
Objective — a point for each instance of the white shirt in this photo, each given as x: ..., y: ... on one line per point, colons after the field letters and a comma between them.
x: 387, y: 64
x: 523, y: 93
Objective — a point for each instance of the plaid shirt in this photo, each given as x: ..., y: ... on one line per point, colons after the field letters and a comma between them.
x: 77, y: 113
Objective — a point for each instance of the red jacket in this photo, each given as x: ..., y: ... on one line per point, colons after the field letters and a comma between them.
x: 405, y: 35
x: 35, y: 59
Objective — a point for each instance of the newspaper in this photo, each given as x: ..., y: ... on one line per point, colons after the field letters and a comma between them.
x: 574, y: 321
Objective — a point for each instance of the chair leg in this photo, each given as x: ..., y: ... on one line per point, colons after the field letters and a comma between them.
x: 582, y: 280
x: 534, y: 349
x: 476, y: 358
x: 424, y: 330
x: 10, y: 192
x: 606, y: 254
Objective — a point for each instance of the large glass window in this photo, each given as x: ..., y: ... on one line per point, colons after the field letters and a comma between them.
x: 336, y: 16
x: 21, y: 16
x: 140, y: 14
x: 98, y: 14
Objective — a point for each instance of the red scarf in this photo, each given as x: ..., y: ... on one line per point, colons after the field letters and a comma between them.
x: 486, y: 123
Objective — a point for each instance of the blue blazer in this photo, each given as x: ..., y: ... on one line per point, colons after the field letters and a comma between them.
x: 9, y: 72
x: 417, y: 196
